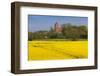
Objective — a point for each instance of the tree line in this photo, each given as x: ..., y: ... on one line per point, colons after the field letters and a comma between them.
x: 69, y: 32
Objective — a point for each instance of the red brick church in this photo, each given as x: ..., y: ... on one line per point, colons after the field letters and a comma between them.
x: 57, y: 27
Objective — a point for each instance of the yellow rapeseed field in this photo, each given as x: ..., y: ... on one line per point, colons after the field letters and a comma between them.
x: 50, y: 50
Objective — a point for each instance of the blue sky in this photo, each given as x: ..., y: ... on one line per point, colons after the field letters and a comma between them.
x: 42, y: 22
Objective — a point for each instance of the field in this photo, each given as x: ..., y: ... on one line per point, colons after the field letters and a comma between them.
x: 53, y: 50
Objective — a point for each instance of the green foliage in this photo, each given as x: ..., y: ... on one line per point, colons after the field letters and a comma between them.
x: 69, y: 31
x: 83, y: 31
x: 30, y: 36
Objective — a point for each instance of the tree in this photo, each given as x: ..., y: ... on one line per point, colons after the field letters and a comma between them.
x: 40, y: 35
x: 74, y: 32
x: 30, y: 36
x: 83, y: 31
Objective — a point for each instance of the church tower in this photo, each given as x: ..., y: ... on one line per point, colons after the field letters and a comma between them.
x: 58, y: 27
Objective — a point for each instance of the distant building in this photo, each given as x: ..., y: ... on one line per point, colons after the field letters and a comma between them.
x: 57, y: 27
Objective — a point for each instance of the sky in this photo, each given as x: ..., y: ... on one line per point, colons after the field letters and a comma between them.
x: 43, y: 22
